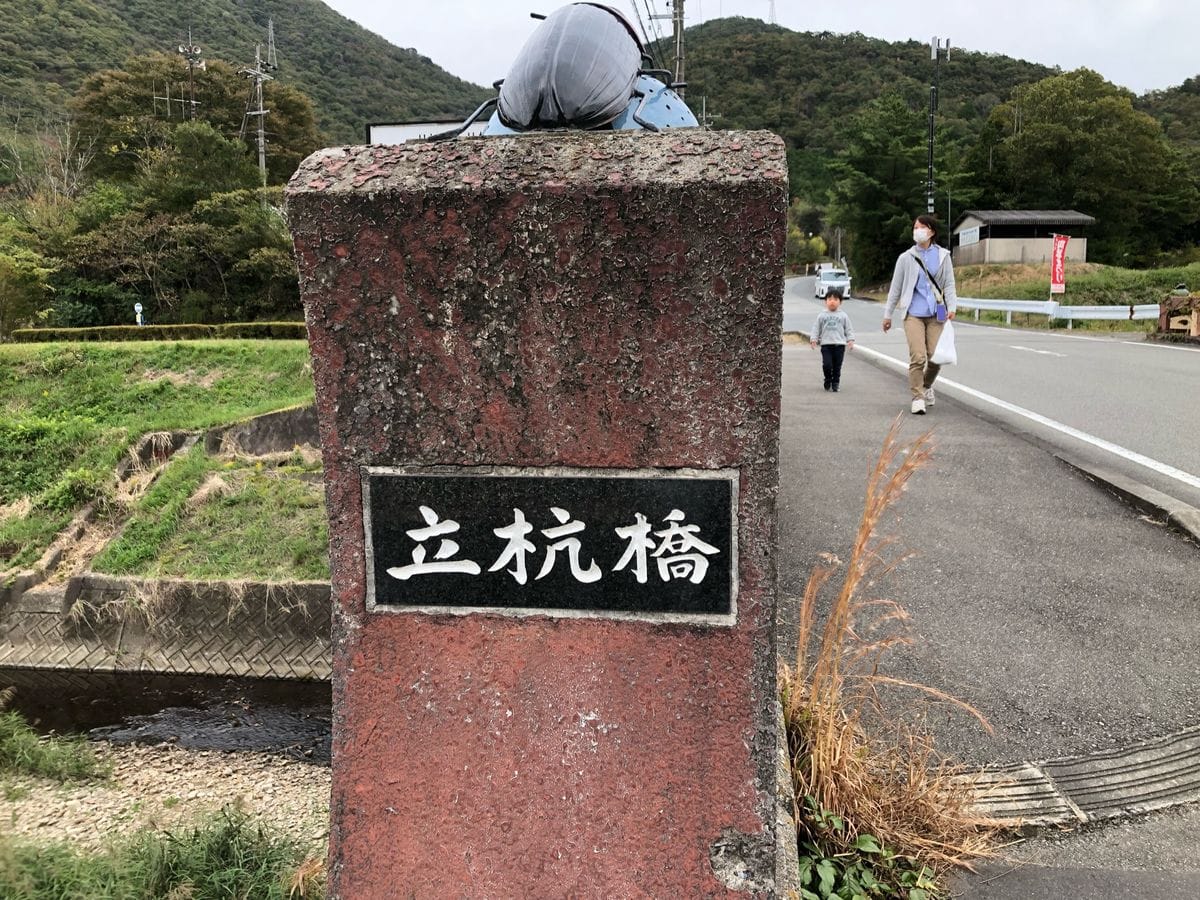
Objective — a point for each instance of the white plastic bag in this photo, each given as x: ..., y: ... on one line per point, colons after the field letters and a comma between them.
x: 944, y: 353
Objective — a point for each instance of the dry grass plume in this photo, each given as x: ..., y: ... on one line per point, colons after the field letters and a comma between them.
x: 885, y: 779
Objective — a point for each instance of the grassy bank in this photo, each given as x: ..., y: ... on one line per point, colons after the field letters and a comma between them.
x: 24, y: 752
x: 211, y: 517
x: 229, y: 856
x: 1088, y: 284
x: 72, y: 411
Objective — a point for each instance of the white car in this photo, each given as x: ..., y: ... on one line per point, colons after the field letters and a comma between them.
x: 828, y: 278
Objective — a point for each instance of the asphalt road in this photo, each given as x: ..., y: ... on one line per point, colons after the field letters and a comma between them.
x: 1066, y: 617
x: 1115, y: 401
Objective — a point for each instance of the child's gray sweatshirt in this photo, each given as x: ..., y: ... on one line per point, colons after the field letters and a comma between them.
x: 832, y: 328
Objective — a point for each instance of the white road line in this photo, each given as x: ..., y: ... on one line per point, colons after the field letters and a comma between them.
x: 1116, y: 449
x: 1043, y: 352
x: 1161, y: 346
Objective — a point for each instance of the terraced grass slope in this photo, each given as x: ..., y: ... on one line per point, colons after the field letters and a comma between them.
x: 72, y: 411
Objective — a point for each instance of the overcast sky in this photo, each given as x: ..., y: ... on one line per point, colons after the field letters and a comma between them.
x: 1139, y: 44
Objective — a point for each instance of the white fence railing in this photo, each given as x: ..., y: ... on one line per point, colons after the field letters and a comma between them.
x: 1052, y: 309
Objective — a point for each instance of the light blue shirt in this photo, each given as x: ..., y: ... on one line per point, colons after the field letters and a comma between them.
x: 923, y: 302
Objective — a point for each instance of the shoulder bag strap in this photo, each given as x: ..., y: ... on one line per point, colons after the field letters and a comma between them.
x: 937, y: 291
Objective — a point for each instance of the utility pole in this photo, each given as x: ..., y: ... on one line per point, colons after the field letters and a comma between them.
x: 935, y: 53
x: 677, y: 22
x: 254, y: 107
x: 676, y: 17
x: 706, y: 119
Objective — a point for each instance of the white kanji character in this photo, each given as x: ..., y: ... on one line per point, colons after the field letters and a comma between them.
x: 638, y: 535
x: 570, y: 544
x: 689, y: 551
x: 517, y: 547
x: 442, y: 563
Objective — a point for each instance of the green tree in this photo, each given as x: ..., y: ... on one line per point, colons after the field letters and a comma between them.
x: 24, y: 281
x: 880, y: 184
x: 114, y: 108
x: 245, y: 241
x: 1074, y: 141
x: 193, y: 164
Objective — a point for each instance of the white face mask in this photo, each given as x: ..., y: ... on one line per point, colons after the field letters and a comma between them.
x: 921, y: 235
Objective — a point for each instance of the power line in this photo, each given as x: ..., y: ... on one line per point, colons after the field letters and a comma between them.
x: 641, y: 24
x: 653, y: 17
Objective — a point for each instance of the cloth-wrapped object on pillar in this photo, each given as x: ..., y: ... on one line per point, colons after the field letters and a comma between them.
x: 577, y: 70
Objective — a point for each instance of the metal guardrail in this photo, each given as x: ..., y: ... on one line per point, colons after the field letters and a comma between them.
x: 1052, y: 309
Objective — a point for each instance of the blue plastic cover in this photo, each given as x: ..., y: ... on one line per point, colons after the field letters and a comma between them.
x: 576, y: 70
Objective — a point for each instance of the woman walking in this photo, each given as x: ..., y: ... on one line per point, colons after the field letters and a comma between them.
x: 923, y: 292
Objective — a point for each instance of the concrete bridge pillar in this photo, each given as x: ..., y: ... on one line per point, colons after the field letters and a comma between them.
x: 548, y: 373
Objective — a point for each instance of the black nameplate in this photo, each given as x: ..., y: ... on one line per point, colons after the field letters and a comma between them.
x: 639, y: 544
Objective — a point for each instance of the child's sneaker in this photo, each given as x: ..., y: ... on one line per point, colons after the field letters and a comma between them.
x: 834, y: 388
x: 918, y: 406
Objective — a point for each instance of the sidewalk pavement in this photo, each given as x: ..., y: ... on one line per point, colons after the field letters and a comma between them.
x: 1065, y: 615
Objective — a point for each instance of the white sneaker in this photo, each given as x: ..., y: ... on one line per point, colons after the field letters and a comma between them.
x: 929, y: 396
x: 918, y: 407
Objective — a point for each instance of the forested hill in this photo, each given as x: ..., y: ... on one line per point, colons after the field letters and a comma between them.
x: 803, y: 85
x: 47, y: 47
x: 1178, y: 109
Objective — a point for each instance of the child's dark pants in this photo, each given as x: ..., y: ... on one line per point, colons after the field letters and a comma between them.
x: 831, y: 363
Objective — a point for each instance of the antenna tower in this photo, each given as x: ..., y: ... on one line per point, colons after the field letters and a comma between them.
x: 169, y: 100
x: 191, y: 57
x: 773, y: 20
x: 259, y: 74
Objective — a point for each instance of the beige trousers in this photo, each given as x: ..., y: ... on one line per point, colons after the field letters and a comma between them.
x: 922, y: 333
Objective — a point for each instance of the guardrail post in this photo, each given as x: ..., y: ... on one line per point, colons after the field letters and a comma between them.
x: 1008, y: 317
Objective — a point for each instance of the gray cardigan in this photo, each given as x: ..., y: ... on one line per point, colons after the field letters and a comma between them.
x: 904, y: 282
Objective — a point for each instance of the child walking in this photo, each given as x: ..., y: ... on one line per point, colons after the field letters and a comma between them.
x: 834, y: 333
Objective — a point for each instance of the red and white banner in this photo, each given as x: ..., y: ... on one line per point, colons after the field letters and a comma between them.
x: 1058, y: 265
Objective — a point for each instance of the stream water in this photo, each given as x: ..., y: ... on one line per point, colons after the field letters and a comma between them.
x: 291, y: 718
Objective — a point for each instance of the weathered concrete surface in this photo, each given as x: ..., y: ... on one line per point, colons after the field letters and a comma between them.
x: 276, y: 432
x: 558, y: 300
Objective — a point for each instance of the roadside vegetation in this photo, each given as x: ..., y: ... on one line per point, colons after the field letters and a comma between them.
x: 1088, y: 284
x: 219, y: 518
x: 74, y: 410
x: 879, y: 812
x: 229, y: 856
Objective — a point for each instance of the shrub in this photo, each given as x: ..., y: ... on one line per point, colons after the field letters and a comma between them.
x: 274, y: 330
x: 115, y: 333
